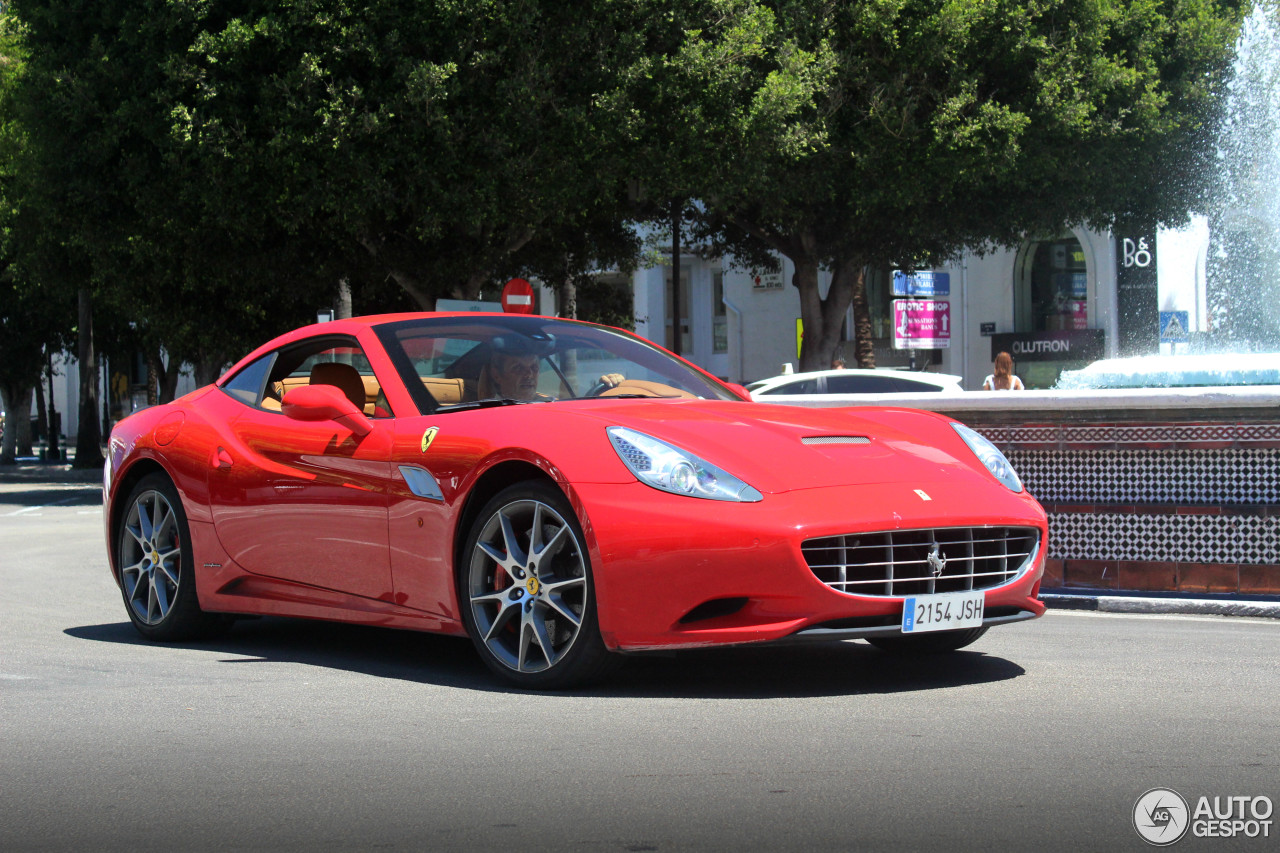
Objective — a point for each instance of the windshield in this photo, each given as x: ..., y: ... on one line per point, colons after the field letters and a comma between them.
x: 473, y: 361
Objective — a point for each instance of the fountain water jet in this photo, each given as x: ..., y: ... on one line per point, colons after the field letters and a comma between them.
x: 1243, y: 265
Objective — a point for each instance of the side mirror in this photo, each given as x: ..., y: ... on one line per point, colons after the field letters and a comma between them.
x: 740, y: 390
x: 325, y: 403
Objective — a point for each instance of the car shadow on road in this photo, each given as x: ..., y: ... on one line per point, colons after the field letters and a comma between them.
x: 828, y: 669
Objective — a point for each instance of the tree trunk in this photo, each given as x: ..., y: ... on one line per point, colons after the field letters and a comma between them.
x: 863, y: 349
x: 42, y: 413
x: 568, y: 295
x: 53, y: 428
x: 344, y: 299
x: 166, y: 377
x: 413, y: 287
x: 153, y: 379
x: 16, y: 402
x: 823, y: 318
x: 208, y: 368
x: 89, y: 435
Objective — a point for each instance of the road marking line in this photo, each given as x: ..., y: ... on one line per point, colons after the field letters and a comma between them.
x: 42, y: 506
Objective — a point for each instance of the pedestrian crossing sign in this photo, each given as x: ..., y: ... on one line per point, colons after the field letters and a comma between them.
x: 1173, y: 327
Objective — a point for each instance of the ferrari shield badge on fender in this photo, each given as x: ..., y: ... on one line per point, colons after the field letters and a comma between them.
x: 428, y: 437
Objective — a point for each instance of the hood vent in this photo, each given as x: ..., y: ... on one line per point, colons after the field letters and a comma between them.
x: 835, y: 439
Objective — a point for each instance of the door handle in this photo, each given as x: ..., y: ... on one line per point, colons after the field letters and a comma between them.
x: 220, y: 458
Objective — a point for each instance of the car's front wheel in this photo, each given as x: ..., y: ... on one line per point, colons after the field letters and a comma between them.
x: 932, y: 642
x: 528, y: 598
x: 153, y: 553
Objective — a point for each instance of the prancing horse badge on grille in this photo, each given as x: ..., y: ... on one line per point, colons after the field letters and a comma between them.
x: 937, y: 560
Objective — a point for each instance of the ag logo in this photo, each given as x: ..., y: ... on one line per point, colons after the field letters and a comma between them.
x: 1161, y: 816
x: 428, y: 437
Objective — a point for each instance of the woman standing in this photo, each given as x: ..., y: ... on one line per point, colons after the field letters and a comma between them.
x: 1003, y: 379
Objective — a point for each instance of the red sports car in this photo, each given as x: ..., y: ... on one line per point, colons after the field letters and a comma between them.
x: 558, y: 491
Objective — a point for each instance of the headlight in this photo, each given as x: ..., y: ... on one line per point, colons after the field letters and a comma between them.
x: 990, y: 456
x: 670, y: 469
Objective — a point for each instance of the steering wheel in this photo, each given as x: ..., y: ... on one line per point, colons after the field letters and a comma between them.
x: 597, y: 389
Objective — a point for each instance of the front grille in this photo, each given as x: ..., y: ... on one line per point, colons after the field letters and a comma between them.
x: 898, y: 562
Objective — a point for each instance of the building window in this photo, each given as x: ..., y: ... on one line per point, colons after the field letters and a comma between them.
x: 1056, y: 294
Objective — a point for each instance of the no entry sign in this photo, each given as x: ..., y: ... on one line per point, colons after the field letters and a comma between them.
x: 517, y: 297
x: 921, y: 324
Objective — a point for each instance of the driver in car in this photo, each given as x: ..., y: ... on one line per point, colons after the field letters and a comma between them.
x: 515, y: 376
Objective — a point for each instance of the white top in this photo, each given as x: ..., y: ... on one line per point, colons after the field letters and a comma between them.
x: 1015, y: 384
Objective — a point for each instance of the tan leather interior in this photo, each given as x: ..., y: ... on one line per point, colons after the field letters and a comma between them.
x: 366, y: 398
x: 645, y: 388
x: 344, y: 377
x: 448, y: 392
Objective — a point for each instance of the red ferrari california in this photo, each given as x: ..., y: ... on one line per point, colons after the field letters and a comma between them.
x: 560, y: 492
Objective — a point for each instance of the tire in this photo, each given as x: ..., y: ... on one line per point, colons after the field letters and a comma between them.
x: 934, y: 642
x: 527, y: 595
x: 157, y: 575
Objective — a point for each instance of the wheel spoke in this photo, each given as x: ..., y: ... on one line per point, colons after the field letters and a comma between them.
x: 522, y: 656
x: 553, y: 546
x: 169, y: 575
x: 535, y: 531
x: 515, y: 555
x: 539, y: 624
x: 557, y: 604
x: 167, y: 522
x: 494, y: 554
x: 506, y: 609
x: 136, y: 532
x: 144, y: 522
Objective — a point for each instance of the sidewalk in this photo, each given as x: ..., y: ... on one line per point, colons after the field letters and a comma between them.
x: 1114, y: 601
x: 32, y: 470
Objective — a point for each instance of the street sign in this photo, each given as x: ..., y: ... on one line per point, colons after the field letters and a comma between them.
x: 922, y: 283
x: 517, y: 297
x: 921, y: 324
x: 1173, y: 327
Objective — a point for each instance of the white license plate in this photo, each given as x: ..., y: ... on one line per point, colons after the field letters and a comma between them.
x: 945, y: 611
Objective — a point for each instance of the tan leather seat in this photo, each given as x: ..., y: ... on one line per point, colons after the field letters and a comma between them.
x: 447, y: 392
x: 344, y: 377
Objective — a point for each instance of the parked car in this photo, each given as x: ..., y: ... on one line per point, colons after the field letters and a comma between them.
x: 1176, y: 371
x: 857, y: 381
x: 404, y: 471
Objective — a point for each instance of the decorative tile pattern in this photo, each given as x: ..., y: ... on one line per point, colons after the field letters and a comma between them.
x: 1165, y: 537
x: 1113, y: 435
x: 1227, y: 476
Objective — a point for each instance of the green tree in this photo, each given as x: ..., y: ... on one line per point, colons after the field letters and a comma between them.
x: 29, y: 319
x: 945, y: 124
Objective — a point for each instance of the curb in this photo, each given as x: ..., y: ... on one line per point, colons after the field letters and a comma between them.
x: 1261, y: 608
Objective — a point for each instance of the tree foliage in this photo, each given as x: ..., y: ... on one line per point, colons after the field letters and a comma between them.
x: 212, y: 170
x: 943, y: 124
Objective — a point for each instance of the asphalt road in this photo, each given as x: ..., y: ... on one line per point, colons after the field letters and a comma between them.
x: 292, y: 735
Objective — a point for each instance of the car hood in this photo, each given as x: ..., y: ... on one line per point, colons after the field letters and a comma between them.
x: 783, y: 448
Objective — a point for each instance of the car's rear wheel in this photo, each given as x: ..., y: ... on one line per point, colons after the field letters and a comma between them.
x: 528, y: 596
x: 153, y: 553
x: 932, y: 642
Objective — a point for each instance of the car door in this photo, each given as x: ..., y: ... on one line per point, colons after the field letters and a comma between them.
x: 304, y: 501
